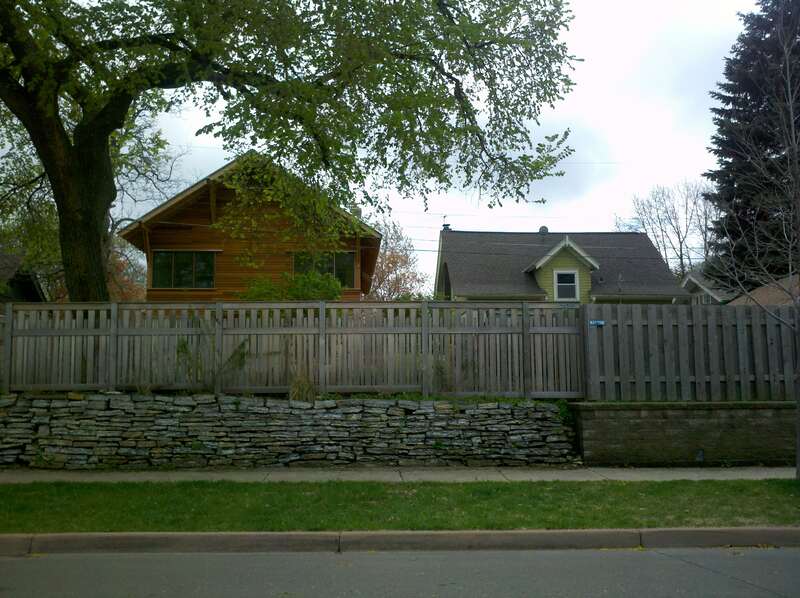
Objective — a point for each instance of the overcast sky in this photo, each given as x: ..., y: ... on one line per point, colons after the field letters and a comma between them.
x: 639, y: 116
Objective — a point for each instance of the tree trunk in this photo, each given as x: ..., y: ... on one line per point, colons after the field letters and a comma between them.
x: 84, y: 191
x: 81, y: 176
x: 83, y: 252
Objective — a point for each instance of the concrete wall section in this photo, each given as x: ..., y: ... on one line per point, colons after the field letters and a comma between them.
x: 687, y: 433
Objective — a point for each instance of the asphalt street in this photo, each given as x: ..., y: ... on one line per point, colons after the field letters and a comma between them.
x: 748, y: 572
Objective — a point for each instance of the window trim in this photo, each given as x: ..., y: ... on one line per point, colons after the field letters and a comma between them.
x: 577, y: 297
x: 355, y: 265
x: 151, y: 269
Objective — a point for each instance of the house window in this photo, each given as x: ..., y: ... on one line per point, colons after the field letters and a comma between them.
x: 566, y: 285
x: 183, y: 270
x: 701, y: 298
x: 341, y: 264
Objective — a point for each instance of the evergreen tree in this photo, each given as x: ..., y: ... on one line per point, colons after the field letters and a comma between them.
x: 754, y: 143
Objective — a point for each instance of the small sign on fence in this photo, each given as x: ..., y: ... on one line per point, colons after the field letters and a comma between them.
x: 597, y: 323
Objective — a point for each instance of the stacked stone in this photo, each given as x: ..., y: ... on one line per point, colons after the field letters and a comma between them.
x: 122, y: 431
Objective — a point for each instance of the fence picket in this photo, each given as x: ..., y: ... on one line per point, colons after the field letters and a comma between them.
x: 773, y: 362
x: 712, y: 314
x: 623, y: 346
x: 8, y: 325
x: 699, y: 348
x: 743, y: 340
x: 730, y: 354
x: 503, y: 349
x: 684, y: 352
x: 654, y: 351
x: 788, y: 353
x: 639, y: 377
x: 759, y: 369
x: 670, y: 373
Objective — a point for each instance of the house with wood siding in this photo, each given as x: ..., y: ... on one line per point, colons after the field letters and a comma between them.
x: 190, y: 259
x: 548, y: 267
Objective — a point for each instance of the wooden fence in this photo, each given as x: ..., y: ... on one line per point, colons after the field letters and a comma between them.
x: 689, y: 353
x: 596, y: 352
x: 447, y: 348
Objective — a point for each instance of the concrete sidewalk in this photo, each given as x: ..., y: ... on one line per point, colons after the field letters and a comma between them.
x: 402, y: 474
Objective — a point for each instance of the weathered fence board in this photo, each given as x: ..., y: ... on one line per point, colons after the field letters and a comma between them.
x: 698, y: 353
x: 597, y: 352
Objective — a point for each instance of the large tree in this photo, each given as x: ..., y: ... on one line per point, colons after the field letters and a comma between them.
x: 415, y: 96
x: 758, y: 179
x: 143, y: 165
x: 750, y: 143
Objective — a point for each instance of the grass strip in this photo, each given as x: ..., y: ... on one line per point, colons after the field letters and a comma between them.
x: 235, y: 506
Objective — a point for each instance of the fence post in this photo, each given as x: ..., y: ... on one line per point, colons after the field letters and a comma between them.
x: 526, y: 361
x: 321, y: 360
x: 218, y: 349
x: 7, y: 336
x: 112, y: 349
x: 426, y: 349
x: 584, y: 327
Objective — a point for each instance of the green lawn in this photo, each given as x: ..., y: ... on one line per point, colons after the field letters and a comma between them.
x: 230, y: 506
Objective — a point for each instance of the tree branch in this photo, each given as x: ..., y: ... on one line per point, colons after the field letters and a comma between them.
x: 17, y: 37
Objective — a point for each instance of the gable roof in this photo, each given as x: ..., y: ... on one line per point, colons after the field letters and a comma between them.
x: 696, y: 278
x: 497, y: 264
x: 176, y: 200
x: 565, y: 243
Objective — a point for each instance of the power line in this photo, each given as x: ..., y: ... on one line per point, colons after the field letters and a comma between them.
x: 500, y: 253
x: 548, y: 247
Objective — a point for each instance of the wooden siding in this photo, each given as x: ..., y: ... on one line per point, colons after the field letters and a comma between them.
x: 564, y: 260
x: 187, y: 227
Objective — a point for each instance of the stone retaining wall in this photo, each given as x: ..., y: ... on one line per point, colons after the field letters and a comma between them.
x: 136, y: 431
x: 687, y: 433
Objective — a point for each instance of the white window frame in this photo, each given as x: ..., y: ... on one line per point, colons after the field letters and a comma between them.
x: 577, y: 297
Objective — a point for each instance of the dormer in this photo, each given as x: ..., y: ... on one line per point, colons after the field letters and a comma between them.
x: 564, y: 272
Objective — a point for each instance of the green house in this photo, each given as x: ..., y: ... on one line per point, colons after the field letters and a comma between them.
x: 558, y: 268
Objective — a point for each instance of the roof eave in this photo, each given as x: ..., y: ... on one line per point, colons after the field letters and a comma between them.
x: 176, y: 199
x: 640, y: 295
x: 711, y: 292
x: 498, y: 296
x: 217, y: 174
x: 565, y: 243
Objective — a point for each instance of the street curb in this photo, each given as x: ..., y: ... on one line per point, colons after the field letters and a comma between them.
x: 488, y: 540
x: 15, y: 544
x: 244, y: 542
x: 186, y: 542
x: 723, y: 536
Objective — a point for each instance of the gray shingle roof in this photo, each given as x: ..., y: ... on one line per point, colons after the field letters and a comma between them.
x: 492, y: 264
